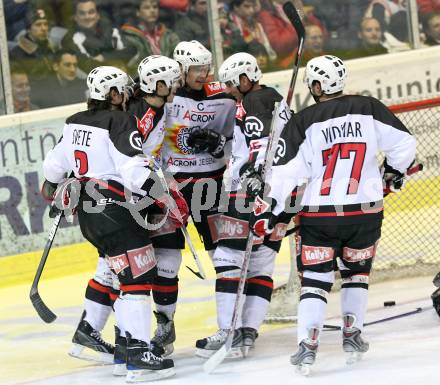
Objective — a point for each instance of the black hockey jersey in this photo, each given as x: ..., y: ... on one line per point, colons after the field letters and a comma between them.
x: 333, y: 145
x: 209, y: 108
x: 101, y: 145
x: 253, y: 122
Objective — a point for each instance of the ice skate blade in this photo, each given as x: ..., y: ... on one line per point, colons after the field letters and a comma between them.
x: 119, y: 370
x: 303, y: 369
x: 87, y: 354
x: 233, y: 354
x: 353, y: 357
x: 142, y: 375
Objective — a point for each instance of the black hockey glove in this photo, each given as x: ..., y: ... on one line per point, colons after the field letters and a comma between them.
x: 251, y: 180
x: 436, y: 280
x: 393, y: 179
x: 436, y: 301
x: 205, y: 140
x: 261, y: 220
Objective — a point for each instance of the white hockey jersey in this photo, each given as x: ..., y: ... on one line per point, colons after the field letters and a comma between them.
x: 209, y: 108
x: 101, y: 145
x: 333, y: 145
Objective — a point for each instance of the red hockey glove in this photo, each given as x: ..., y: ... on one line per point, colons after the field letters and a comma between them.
x: 63, y: 196
x: 261, y: 220
x: 175, y: 203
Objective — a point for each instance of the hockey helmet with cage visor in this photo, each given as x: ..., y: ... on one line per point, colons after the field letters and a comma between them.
x: 238, y: 64
x: 101, y: 80
x: 192, y: 54
x: 157, y: 68
x: 329, y: 71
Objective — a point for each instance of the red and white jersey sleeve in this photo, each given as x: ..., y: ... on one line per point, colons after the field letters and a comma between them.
x: 334, y: 146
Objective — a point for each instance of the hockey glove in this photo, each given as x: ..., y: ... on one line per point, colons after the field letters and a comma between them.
x: 393, y: 179
x: 205, y: 140
x: 63, y: 196
x: 436, y: 280
x: 251, y: 180
x: 436, y: 301
x: 175, y: 203
x: 261, y: 220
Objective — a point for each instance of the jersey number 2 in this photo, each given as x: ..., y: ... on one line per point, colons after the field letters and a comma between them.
x: 343, y: 151
x: 81, y: 162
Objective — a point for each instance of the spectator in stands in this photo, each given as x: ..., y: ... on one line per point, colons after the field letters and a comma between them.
x: 93, y: 38
x: 33, y: 52
x: 59, y: 12
x: 431, y: 27
x: 194, y: 26
x: 428, y: 6
x: 148, y: 36
x: 370, y: 39
x: 63, y: 87
x: 264, y: 62
x: 280, y: 32
x: 232, y: 40
x: 15, y: 17
x: 341, y: 19
x: 314, y: 44
x: 244, y: 16
x: 21, y: 91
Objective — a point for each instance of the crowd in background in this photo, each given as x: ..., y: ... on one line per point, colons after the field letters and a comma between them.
x: 53, y: 44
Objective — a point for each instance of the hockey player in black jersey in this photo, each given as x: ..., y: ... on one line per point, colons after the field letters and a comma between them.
x: 199, y: 122
x: 255, y: 106
x: 159, y: 78
x: 102, y: 147
x: 333, y: 145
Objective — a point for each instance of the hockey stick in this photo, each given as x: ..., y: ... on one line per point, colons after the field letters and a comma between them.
x: 413, y: 170
x: 201, y: 273
x: 412, y: 312
x: 295, y: 20
x: 218, y: 357
x: 43, y: 311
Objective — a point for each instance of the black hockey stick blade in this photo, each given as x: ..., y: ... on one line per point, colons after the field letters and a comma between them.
x: 196, y: 273
x: 293, y: 16
x: 416, y: 311
x: 43, y: 311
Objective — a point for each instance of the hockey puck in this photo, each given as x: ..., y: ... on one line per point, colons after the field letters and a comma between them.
x: 389, y: 303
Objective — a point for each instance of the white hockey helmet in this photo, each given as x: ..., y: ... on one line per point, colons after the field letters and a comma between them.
x: 329, y: 71
x: 101, y: 79
x: 157, y: 67
x: 191, y: 53
x: 238, y: 64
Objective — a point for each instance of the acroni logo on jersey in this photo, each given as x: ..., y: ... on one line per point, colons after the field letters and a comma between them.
x: 177, y: 139
x: 199, y: 115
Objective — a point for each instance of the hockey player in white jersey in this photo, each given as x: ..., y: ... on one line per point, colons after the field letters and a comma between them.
x: 255, y: 106
x: 333, y: 145
x: 102, y: 147
x: 199, y: 123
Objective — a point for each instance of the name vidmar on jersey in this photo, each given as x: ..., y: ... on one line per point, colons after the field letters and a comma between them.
x: 210, y: 108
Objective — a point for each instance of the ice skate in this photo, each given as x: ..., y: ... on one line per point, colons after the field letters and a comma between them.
x: 144, y: 365
x: 352, y: 342
x: 305, y: 357
x: 165, y: 334
x: 120, y: 356
x: 206, y: 347
x: 249, y: 337
x: 88, y: 344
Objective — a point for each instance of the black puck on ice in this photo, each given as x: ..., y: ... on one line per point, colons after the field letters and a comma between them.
x: 389, y: 303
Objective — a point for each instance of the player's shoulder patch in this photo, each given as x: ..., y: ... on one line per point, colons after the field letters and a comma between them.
x: 214, y: 88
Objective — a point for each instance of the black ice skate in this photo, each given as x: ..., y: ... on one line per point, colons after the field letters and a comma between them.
x: 88, y: 344
x: 120, y: 356
x: 206, y: 347
x: 305, y: 357
x: 144, y: 365
x: 352, y: 342
x: 165, y: 334
x: 249, y: 337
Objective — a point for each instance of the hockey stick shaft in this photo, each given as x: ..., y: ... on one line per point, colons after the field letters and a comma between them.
x: 43, y: 311
x: 406, y: 314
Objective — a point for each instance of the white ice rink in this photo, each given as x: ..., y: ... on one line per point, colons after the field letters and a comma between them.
x: 405, y: 351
